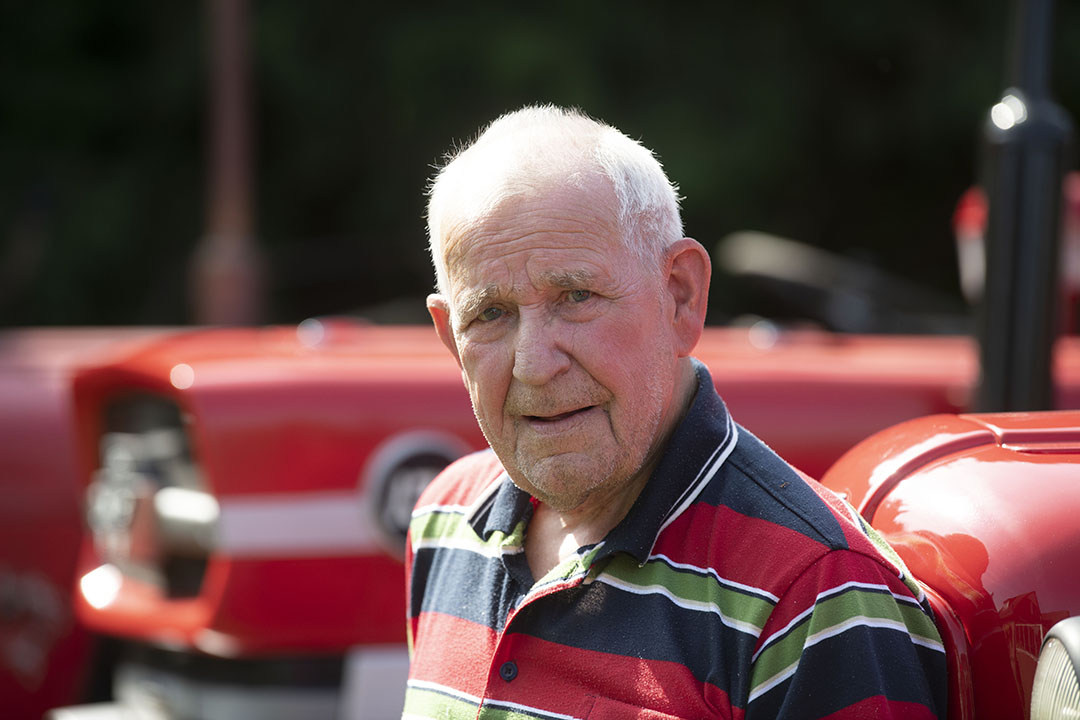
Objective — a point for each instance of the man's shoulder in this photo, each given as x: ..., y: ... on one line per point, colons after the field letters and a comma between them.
x: 761, y: 487
x: 463, y: 481
x: 771, y: 490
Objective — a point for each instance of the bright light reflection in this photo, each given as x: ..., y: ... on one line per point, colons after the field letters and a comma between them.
x: 763, y: 335
x: 182, y: 376
x: 186, y: 505
x: 1009, y: 112
x: 101, y: 585
x: 310, y: 332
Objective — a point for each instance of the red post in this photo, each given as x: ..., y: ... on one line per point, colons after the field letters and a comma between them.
x: 227, y: 273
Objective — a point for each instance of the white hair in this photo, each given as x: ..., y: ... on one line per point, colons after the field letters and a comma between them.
x: 527, y: 148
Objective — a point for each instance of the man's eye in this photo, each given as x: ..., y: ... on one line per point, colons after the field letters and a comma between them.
x: 489, y: 314
x: 579, y: 296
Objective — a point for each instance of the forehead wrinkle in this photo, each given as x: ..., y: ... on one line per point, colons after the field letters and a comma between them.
x: 551, y: 209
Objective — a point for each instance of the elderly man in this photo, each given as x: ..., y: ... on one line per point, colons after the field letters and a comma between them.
x: 625, y: 549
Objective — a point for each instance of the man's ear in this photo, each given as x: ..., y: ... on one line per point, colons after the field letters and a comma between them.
x: 439, y: 309
x: 688, y: 273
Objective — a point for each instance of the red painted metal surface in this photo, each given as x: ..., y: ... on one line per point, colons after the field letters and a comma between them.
x: 43, y: 649
x: 984, y: 510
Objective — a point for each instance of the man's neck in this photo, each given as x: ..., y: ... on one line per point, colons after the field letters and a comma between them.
x: 552, y: 536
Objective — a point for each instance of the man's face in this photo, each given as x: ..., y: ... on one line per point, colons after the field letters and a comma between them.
x: 565, y: 341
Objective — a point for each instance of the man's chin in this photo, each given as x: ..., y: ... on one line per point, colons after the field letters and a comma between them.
x: 561, y: 483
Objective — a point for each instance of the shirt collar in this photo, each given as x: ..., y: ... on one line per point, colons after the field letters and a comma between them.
x: 500, y: 509
x: 694, y: 452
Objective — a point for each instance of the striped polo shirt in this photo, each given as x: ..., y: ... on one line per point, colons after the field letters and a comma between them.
x: 733, y: 588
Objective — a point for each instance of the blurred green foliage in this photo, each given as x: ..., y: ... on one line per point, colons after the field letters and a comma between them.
x: 852, y: 126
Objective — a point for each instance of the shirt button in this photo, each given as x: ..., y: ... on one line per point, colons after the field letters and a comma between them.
x: 508, y: 670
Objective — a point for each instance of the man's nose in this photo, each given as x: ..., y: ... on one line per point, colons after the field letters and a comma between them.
x: 538, y: 351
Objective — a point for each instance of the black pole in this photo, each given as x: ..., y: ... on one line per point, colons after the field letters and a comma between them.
x: 1026, y: 136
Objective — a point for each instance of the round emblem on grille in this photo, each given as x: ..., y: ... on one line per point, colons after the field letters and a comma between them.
x: 398, y: 471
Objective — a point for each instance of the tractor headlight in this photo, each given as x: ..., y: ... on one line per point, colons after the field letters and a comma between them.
x: 149, y: 511
x: 1056, y: 692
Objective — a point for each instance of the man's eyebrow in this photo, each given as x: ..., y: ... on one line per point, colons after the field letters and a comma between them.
x: 470, y: 302
x: 568, y: 279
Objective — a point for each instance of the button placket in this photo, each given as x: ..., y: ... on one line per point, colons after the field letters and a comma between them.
x: 505, y: 647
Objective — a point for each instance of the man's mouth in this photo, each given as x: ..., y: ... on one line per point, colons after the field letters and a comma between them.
x: 557, y: 417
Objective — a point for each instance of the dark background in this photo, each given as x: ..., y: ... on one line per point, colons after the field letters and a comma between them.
x: 848, y: 125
